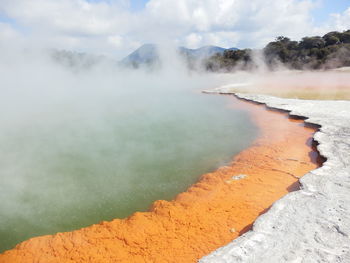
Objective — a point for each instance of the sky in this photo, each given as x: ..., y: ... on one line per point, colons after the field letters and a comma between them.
x: 117, y: 27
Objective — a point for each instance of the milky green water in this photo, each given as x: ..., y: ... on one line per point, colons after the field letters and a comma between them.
x: 70, y: 161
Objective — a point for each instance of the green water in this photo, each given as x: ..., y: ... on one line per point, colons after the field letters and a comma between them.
x: 71, y: 159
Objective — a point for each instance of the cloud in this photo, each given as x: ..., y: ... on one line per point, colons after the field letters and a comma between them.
x: 193, y: 40
x: 111, y: 26
x: 70, y: 17
x: 7, y: 32
x: 252, y: 22
x: 342, y: 20
x: 335, y: 22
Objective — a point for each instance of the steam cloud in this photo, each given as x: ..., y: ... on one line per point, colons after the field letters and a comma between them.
x: 73, y: 138
x: 61, y: 118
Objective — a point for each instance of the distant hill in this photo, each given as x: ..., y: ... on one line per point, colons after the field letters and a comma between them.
x: 78, y: 60
x: 148, y: 54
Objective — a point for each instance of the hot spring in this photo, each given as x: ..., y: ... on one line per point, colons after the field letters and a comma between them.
x: 79, y: 148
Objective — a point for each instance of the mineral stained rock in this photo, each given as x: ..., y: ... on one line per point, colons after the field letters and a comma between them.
x: 313, y: 224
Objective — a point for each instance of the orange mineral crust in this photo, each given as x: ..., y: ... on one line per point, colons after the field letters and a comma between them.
x: 211, y: 213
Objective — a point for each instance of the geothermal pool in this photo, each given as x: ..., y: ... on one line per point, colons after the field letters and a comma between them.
x: 87, y: 150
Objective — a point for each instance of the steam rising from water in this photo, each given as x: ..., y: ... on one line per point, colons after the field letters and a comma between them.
x: 78, y: 146
x: 283, y: 82
x: 81, y: 146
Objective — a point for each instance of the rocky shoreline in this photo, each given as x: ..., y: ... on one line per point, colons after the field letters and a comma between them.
x: 312, y: 224
x: 221, y: 206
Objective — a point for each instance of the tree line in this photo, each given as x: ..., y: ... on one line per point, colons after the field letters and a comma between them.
x: 329, y: 51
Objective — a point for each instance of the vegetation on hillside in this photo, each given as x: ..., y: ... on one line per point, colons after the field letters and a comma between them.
x: 76, y: 60
x: 329, y: 51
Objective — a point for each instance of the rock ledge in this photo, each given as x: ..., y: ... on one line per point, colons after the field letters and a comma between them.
x: 312, y: 224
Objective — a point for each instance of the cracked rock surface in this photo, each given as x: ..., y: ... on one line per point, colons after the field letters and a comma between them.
x: 312, y: 224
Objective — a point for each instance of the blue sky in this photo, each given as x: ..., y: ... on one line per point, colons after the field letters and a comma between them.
x: 326, y: 7
x: 6, y: 19
x: 137, y: 5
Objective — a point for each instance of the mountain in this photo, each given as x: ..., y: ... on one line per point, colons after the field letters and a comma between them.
x: 148, y: 54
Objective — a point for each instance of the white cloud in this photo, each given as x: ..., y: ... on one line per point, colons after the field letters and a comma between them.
x: 7, y: 32
x: 225, y: 39
x: 231, y: 22
x: 116, y: 40
x: 342, y: 21
x: 193, y: 40
x: 64, y: 16
x: 335, y: 22
x: 109, y: 27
